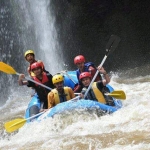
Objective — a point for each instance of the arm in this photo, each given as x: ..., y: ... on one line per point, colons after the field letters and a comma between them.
x: 77, y: 88
x: 103, y: 71
x: 83, y: 92
x: 21, y: 80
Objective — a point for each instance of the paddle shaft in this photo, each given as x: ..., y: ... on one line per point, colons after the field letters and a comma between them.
x: 77, y: 97
x: 18, y: 123
x: 36, y: 82
x: 110, y: 47
x: 105, y: 57
x: 24, y: 120
x: 118, y: 94
x: 36, y: 115
x: 69, y: 77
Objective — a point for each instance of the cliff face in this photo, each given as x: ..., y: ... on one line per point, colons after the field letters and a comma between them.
x: 84, y: 27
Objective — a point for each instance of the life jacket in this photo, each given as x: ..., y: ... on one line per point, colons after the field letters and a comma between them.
x: 31, y: 73
x: 57, y: 97
x: 86, y: 69
x: 98, y: 94
x: 44, y: 79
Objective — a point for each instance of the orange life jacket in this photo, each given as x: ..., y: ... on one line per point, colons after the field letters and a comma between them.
x: 44, y: 79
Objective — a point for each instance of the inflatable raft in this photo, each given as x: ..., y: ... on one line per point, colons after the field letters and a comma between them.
x: 70, y: 80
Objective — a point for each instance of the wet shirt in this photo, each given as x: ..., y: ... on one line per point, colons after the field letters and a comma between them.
x: 41, y: 91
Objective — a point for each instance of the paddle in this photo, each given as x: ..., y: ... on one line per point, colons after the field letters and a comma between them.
x: 110, y: 47
x: 65, y: 72
x: 18, y: 123
x: 9, y: 70
x: 118, y: 94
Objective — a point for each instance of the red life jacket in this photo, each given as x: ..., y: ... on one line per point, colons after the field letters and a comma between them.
x: 44, y: 79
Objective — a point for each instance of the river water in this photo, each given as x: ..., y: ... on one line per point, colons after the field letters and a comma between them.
x: 30, y: 24
x: 128, y: 128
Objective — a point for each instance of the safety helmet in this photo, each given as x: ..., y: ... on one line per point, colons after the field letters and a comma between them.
x: 84, y: 75
x: 28, y: 52
x: 79, y: 59
x: 36, y: 65
x: 57, y: 78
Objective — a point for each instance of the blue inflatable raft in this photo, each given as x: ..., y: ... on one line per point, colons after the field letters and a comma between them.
x: 70, y: 80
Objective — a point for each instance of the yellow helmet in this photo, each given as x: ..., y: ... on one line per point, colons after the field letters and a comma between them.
x: 57, y: 78
x: 28, y: 52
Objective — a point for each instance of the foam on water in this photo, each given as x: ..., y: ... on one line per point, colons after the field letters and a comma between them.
x: 127, y: 128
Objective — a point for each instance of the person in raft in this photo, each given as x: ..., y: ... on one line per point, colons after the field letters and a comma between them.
x: 79, y: 61
x: 30, y: 57
x: 60, y: 93
x: 98, y: 89
x: 41, y: 77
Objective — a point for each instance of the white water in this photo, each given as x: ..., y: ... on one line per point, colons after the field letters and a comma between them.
x: 46, y: 34
x: 38, y: 16
x: 127, y: 128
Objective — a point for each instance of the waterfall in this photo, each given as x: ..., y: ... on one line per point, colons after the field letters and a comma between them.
x: 38, y: 18
x: 28, y: 24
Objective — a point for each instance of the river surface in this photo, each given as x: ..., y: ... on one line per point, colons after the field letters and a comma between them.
x: 128, y: 128
x: 58, y: 31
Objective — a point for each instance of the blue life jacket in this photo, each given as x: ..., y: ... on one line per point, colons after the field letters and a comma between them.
x: 86, y: 68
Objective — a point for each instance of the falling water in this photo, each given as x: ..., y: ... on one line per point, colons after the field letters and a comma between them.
x: 38, y: 18
x: 33, y: 28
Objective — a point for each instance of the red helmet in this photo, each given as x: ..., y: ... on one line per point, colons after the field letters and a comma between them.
x: 36, y: 65
x: 79, y: 59
x: 84, y: 75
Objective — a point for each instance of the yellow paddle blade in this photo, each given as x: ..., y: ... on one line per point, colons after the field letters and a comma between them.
x: 118, y: 94
x: 14, y: 124
x: 6, y: 68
